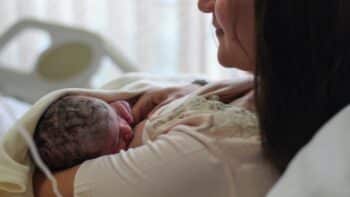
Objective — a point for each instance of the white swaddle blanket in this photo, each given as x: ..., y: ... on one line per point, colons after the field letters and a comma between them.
x: 16, y: 166
x: 18, y: 107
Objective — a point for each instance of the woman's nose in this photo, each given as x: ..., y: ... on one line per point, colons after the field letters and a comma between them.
x: 206, y: 5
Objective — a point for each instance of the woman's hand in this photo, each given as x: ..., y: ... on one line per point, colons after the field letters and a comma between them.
x: 155, y: 98
x: 229, y: 91
x: 138, y: 132
x: 65, y: 180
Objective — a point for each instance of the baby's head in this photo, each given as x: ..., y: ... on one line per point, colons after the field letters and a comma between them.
x: 77, y: 128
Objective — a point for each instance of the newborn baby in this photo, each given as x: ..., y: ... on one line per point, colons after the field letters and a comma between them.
x: 77, y: 128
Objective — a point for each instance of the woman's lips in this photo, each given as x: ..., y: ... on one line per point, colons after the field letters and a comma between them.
x: 219, y: 32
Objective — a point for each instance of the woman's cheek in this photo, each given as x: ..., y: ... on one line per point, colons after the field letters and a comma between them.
x: 224, y: 15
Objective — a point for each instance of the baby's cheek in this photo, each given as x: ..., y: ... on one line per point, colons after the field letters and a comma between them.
x: 119, y: 137
x: 112, y: 139
x: 110, y: 146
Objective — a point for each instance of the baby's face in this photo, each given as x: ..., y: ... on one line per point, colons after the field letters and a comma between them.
x: 120, y: 133
x: 122, y: 122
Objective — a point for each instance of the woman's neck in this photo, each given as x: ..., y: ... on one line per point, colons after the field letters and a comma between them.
x: 247, y: 101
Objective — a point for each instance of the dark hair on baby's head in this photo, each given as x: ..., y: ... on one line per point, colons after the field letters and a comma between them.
x: 72, y: 130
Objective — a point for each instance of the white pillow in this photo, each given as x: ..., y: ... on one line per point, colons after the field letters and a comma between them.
x: 321, y: 168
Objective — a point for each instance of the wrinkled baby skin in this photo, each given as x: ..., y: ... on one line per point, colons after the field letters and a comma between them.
x: 121, y: 132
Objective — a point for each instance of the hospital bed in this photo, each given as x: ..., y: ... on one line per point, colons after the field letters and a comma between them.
x: 71, y: 60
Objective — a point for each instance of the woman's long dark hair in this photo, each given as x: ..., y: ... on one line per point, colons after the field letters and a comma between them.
x: 302, y: 71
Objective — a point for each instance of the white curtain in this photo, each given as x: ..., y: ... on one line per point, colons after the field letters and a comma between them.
x: 161, y: 36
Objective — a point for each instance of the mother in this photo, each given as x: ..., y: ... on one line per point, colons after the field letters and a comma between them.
x: 300, y: 54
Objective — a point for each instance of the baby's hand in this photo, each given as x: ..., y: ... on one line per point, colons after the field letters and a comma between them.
x: 138, y: 131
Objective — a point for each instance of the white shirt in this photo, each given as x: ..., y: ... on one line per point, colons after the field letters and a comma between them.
x: 201, y: 155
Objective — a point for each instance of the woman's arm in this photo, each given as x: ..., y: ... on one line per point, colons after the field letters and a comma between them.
x: 174, y: 165
x: 155, y: 98
x: 65, y: 180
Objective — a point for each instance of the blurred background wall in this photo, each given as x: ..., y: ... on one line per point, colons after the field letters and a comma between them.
x: 160, y: 36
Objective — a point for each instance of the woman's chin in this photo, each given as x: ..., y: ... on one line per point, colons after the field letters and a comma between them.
x: 226, y: 62
x: 223, y: 61
x: 226, y: 58
x: 233, y: 58
x: 229, y: 63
